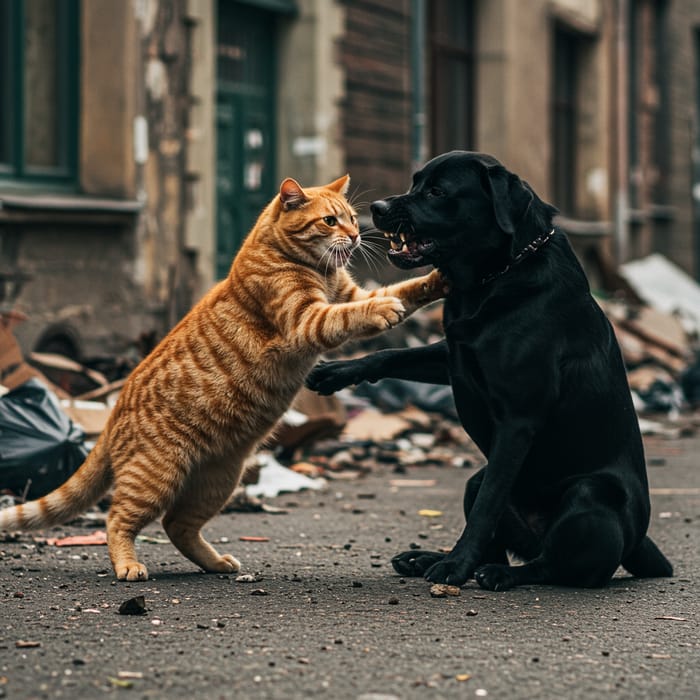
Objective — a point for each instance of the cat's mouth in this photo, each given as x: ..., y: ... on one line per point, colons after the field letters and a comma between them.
x: 408, y: 251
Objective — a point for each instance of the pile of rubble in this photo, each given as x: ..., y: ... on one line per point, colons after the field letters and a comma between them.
x: 51, y: 407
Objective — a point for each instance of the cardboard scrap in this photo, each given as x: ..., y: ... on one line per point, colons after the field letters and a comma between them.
x: 14, y: 371
x: 664, y: 286
x: 92, y: 416
x: 373, y: 425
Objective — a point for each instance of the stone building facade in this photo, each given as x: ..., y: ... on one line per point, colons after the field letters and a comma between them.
x: 139, y: 140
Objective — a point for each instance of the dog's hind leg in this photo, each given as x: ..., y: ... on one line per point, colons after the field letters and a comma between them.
x: 647, y: 561
x: 582, y: 547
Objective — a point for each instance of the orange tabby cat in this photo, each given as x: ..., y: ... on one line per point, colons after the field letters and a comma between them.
x: 215, y: 386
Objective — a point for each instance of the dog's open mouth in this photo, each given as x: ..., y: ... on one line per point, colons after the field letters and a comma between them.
x: 408, y: 251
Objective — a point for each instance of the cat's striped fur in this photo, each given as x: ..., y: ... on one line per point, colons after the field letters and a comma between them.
x: 216, y: 385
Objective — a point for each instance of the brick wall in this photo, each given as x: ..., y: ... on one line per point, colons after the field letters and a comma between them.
x: 375, y: 54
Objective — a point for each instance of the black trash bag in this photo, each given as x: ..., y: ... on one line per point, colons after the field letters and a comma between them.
x: 40, y: 446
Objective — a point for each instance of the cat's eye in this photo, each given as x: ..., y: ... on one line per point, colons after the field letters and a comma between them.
x: 330, y: 220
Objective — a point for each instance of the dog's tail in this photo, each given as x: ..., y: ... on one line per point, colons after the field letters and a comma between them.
x: 647, y: 561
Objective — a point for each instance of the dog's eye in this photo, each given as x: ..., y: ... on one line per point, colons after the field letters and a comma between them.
x: 436, y: 192
x: 330, y: 220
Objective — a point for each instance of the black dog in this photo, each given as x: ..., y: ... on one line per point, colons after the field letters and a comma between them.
x: 538, y: 380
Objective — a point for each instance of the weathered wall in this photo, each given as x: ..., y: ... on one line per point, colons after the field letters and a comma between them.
x: 375, y: 55
x: 310, y: 94
x: 683, y: 20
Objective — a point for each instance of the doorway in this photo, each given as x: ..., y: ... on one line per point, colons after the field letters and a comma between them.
x: 245, y: 124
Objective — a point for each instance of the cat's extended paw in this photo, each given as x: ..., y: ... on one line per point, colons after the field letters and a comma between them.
x: 226, y: 564
x: 329, y: 377
x: 434, y: 286
x: 131, y: 571
x: 386, y: 312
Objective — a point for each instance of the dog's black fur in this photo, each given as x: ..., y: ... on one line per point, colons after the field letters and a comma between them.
x: 538, y: 381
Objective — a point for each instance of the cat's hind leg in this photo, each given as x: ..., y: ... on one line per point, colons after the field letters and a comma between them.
x: 203, y: 496
x: 143, y: 489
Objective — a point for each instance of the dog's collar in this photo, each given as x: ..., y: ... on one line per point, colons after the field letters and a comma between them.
x: 530, y: 248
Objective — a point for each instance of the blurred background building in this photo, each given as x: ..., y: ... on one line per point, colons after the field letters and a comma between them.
x: 139, y: 140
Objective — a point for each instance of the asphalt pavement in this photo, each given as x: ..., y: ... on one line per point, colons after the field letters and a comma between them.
x: 327, y: 617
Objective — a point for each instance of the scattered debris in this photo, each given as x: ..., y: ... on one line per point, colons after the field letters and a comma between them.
x: 259, y: 591
x: 666, y: 287
x: 427, y: 513
x: 442, y: 590
x: 275, y: 479
x: 27, y: 644
x: 99, y: 537
x: 253, y: 538
x: 247, y: 578
x: 133, y: 606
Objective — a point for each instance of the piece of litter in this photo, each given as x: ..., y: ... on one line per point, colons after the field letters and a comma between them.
x: 119, y: 683
x: 442, y: 590
x: 461, y: 677
x: 427, y: 513
x: 246, y: 578
x: 132, y: 675
x: 151, y: 540
x: 99, y: 537
x: 133, y: 606
x: 413, y: 483
x: 253, y: 538
x: 671, y: 617
x: 259, y: 591
x: 26, y: 644
x: 275, y: 479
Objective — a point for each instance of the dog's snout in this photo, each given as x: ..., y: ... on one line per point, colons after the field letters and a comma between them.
x: 379, y: 208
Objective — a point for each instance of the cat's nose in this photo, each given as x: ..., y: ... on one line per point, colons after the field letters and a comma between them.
x: 379, y: 208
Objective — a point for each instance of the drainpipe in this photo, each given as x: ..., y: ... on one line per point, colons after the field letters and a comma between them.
x: 622, y: 150
x: 418, y: 31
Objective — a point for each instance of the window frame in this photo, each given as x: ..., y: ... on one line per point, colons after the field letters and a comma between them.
x: 16, y: 172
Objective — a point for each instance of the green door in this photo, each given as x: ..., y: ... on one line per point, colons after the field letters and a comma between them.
x: 244, y: 123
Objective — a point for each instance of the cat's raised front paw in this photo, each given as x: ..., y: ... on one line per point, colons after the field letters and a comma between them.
x: 386, y: 312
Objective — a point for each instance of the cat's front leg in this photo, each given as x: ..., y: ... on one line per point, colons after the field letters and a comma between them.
x: 419, y: 291
x: 326, y: 326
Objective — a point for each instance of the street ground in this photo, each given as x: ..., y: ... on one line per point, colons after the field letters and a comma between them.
x: 329, y: 618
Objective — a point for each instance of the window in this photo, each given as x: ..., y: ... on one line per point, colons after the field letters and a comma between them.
x: 38, y: 90
x: 564, y: 119
x: 452, y: 49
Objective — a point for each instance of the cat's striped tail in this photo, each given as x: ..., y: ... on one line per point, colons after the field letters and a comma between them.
x: 76, y: 495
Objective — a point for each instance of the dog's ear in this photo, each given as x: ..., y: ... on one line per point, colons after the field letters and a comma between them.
x: 510, y: 196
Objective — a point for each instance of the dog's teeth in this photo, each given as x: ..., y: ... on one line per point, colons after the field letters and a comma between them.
x: 395, y: 245
x: 386, y: 235
x: 404, y: 248
x: 403, y: 237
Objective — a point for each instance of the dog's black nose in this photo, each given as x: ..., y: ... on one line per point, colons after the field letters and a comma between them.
x: 379, y: 208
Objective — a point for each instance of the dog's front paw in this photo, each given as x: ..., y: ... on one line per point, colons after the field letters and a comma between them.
x: 415, y: 562
x: 454, y: 572
x: 495, y: 577
x: 328, y: 377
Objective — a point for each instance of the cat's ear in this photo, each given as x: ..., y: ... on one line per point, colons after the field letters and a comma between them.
x: 340, y: 185
x: 291, y: 194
